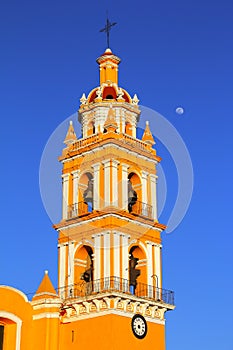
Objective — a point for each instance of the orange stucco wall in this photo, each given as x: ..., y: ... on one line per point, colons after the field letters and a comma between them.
x: 109, y: 332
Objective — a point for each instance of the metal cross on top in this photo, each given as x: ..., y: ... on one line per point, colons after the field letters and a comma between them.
x: 107, y: 29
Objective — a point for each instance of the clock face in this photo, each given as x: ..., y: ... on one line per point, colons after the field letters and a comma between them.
x: 139, y: 326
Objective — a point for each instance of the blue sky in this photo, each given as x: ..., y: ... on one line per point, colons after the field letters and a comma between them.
x: 173, y: 54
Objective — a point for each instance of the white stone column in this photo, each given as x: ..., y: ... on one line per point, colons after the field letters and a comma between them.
x: 134, y: 127
x: 107, y: 164
x: 153, y: 193
x: 144, y: 192
x: 75, y: 174
x: 96, y: 186
x: 106, y: 258
x: 157, y: 257
x: 116, y: 242
x: 124, y: 180
x: 62, y: 269
x: 65, y: 191
x: 85, y: 127
x: 114, y: 182
x: 70, y: 264
x: 125, y: 257
x: 149, y: 263
x: 97, y: 264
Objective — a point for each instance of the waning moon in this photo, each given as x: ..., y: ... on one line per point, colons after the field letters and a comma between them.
x: 179, y: 110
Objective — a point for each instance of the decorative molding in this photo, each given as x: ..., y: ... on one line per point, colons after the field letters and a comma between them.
x: 148, y: 226
x: 46, y: 315
x: 102, y: 305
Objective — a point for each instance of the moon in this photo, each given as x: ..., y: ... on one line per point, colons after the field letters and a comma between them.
x: 179, y: 110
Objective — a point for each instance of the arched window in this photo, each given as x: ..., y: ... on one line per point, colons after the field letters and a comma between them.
x: 137, y: 269
x: 83, y: 267
x: 85, y: 197
x: 134, y: 192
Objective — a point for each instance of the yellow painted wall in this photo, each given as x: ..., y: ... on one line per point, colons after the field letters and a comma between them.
x: 109, y: 332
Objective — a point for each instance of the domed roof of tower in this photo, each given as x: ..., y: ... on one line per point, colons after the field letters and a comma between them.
x: 108, y: 89
x: 46, y: 289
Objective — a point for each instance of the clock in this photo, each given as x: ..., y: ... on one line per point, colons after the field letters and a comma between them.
x: 139, y: 326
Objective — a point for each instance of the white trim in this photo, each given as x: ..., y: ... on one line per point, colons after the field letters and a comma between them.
x: 116, y: 239
x: 65, y: 190
x: 107, y: 164
x: 124, y: 181
x: 144, y: 189
x: 46, y: 315
x: 45, y: 293
x: 109, y: 215
x: 112, y: 145
x: 157, y: 254
x: 149, y: 266
x: 111, y: 311
x: 96, y: 185
x: 75, y: 174
x: 16, y: 291
x: 125, y: 256
x: 97, y: 265
x: 18, y: 322
x: 106, y: 249
x: 70, y: 263
x: 153, y: 195
x: 48, y: 305
x: 115, y: 182
x: 62, y: 267
x: 154, y: 243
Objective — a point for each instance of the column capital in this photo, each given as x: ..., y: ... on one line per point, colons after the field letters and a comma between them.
x: 65, y: 177
x: 125, y: 166
x: 154, y: 244
x: 115, y: 162
x: 144, y: 174
x: 153, y: 177
x: 106, y: 162
x: 75, y: 173
x: 96, y: 166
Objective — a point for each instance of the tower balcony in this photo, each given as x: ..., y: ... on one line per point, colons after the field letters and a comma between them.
x: 115, y: 285
x: 82, y: 208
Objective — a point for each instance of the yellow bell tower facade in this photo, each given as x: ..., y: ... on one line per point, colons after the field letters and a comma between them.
x: 110, y: 270
x: 110, y: 294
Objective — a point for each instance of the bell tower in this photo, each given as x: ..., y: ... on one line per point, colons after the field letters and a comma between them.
x: 110, y: 272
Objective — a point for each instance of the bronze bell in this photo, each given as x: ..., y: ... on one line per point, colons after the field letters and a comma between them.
x: 88, y: 193
x: 132, y: 195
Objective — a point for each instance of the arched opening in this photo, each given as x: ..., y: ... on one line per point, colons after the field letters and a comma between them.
x: 83, y: 265
x: 10, y: 332
x: 85, y: 196
x: 134, y: 192
x: 90, y: 128
x: 137, y: 270
x: 128, y: 129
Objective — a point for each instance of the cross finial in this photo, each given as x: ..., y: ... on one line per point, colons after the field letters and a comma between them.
x: 107, y: 29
